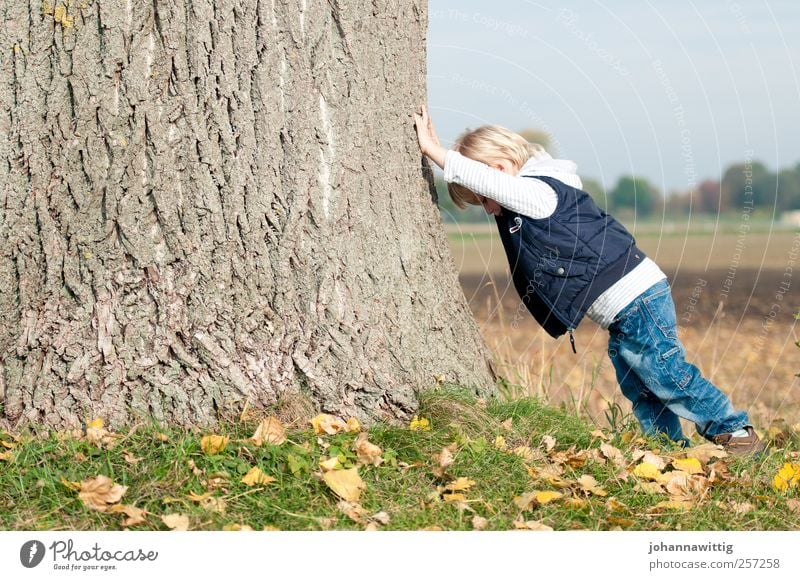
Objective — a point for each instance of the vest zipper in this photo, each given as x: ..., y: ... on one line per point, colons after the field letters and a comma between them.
x: 572, y: 341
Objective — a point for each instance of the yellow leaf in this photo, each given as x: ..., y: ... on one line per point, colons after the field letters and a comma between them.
x: 257, y: 477
x: 328, y: 464
x: 500, y: 443
x: 177, y: 522
x: 236, y: 528
x: 419, y: 424
x: 460, y: 484
x: 6, y: 456
x: 163, y: 437
x: 525, y: 452
x: 670, y: 505
x: 324, y: 423
x: 367, y: 453
x: 100, y: 492
x: 707, y: 451
x: 214, y: 444
x: 95, y: 423
x: 689, y: 465
x: 346, y: 483
x: 788, y: 476
x: 589, y: 485
x: 453, y: 497
x: 73, y: 485
x: 199, y: 497
x: 271, y: 431
x: 647, y: 471
x: 353, y: 425
x: 545, y: 497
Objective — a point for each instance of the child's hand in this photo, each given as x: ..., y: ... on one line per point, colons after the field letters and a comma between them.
x: 428, y: 141
x: 426, y: 134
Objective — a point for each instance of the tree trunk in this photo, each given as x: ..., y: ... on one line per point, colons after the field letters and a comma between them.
x: 207, y: 204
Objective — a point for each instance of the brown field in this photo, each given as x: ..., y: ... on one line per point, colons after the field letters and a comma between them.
x: 742, y: 339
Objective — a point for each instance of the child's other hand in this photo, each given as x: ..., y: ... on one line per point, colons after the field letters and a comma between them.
x: 426, y: 134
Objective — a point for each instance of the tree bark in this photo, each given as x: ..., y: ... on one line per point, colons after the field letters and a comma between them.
x: 207, y: 204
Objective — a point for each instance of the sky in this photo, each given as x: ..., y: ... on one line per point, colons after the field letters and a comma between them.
x: 671, y: 91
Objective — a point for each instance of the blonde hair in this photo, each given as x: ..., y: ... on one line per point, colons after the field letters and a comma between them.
x: 488, y: 144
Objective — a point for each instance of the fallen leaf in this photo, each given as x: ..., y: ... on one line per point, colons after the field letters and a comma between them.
x: 589, y: 485
x: 454, y: 497
x: 508, y: 424
x: 689, y: 465
x: 524, y: 451
x: 794, y: 505
x: 381, y: 517
x: 613, y: 454
x: 657, y: 460
x: 6, y: 456
x: 575, y: 502
x: 214, y: 504
x: 647, y: 471
x: 236, y: 528
x: 130, y: 458
x: 330, y: 463
x: 614, y: 504
x: 479, y: 523
x: 133, y: 515
x: 527, y: 499
x: 271, y: 431
x: 352, y: 510
x: 742, y: 507
x: 444, y: 459
x: 419, y: 424
x: 535, y: 525
x: 99, y: 493
x: 163, y: 437
x: 214, y: 444
x: 256, y: 477
x: 177, y: 522
x: 73, y: 485
x: 549, y: 442
x: 353, y: 425
x: 98, y: 435
x: 706, y: 452
x: 670, y: 505
x: 788, y: 476
x: 346, y: 483
x: 600, y: 435
x: 623, y: 522
x: 327, y: 424
x: 500, y: 443
x: 199, y: 497
x: 368, y: 453
x: 460, y: 484
x: 649, y: 487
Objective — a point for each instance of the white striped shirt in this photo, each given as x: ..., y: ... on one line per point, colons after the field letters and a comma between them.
x: 536, y: 199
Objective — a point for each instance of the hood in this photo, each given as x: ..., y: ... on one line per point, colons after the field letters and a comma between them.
x: 544, y: 163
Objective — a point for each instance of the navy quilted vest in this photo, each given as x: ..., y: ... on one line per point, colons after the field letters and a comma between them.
x: 560, y: 264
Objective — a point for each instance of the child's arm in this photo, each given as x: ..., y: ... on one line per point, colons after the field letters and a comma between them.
x: 529, y: 197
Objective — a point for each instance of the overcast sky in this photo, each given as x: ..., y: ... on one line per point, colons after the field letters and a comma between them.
x: 673, y: 91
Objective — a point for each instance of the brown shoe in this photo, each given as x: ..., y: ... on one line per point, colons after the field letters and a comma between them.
x: 750, y: 444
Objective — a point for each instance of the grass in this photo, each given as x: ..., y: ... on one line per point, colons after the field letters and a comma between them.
x: 162, y: 467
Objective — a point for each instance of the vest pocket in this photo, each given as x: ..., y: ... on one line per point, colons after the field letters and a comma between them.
x: 563, y: 268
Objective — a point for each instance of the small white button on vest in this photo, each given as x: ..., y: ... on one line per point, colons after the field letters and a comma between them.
x: 560, y: 270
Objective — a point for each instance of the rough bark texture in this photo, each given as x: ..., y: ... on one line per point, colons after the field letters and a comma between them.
x: 206, y: 203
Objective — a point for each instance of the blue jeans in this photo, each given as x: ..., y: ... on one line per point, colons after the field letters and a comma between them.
x: 653, y: 374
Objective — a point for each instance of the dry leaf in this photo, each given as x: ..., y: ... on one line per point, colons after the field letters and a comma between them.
x: 613, y: 454
x: 130, y: 458
x: 614, y: 504
x: 73, y: 485
x: 742, y: 507
x: 236, y: 528
x: 793, y: 505
x: 98, y: 435
x: 5, y: 456
x: 524, y: 451
x: 381, y: 517
x: 99, y: 493
x: 214, y: 504
x: 689, y: 465
x: 352, y: 510
x: 589, y: 484
x: 256, y: 477
x: 213, y: 444
x: 271, y: 431
x: 600, y: 435
x: 705, y: 452
x: 444, y: 459
x: 535, y: 525
x: 549, y: 443
x: 500, y: 443
x: 788, y: 476
x: 163, y: 437
x: 177, y: 522
x: 133, y: 515
x: 329, y: 464
x: 657, y: 460
x: 663, y: 506
x: 199, y: 497
x: 367, y: 453
x: 353, y: 425
x: 346, y: 483
x: 479, y: 523
x: 508, y: 424
x: 327, y: 424
x: 460, y: 484
x: 454, y: 497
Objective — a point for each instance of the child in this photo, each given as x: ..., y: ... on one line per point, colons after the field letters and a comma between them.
x: 568, y: 258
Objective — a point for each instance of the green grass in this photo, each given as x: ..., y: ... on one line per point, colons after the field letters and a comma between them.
x: 33, y: 497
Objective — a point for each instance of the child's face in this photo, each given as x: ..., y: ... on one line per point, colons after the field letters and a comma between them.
x: 490, y: 206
